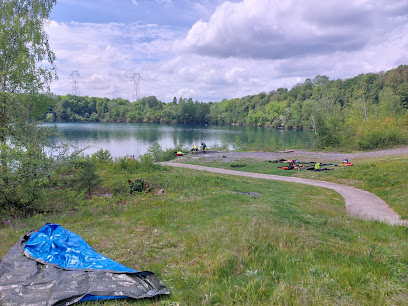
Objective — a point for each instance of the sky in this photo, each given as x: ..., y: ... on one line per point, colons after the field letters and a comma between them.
x: 210, y: 50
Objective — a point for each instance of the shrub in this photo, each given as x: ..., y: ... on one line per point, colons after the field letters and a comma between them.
x: 160, y: 154
x: 24, y: 178
x: 137, y: 185
x: 146, y: 161
x: 102, y: 156
x: 118, y: 186
x: 379, y: 133
x: 128, y: 164
x: 87, y: 178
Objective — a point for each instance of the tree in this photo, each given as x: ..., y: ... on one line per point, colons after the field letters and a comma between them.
x: 24, y: 46
x: 24, y: 50
x: 87, y: 178
x: 389, y: 105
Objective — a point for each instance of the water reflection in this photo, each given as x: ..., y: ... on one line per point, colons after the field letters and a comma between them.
x: 135, y: 138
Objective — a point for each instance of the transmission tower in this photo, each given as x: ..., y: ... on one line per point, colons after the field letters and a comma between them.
x: 75, y: 77
x: 136, y: 77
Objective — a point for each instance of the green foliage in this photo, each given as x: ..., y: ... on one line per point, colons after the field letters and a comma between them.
x: 389, y: 103
x: 86, y: 177
x: 328, y: 131
x: 129, y: 164
x: 137, y: 185
x: 102, y: 156
x: 325, y: 106
x: 380, y: 133
x: 159, y: 154
x: 118, y: 185
x: 24, y: 46
x: 146, y: 161
x: 22, y: 187
x: 26, y: 68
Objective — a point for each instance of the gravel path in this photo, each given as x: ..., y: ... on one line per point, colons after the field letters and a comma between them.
x: 229, y: 156
x: 359, y: 203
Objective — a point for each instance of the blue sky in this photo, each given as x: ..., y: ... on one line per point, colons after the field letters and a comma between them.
x: 182, y: 13
x: 212, y: 49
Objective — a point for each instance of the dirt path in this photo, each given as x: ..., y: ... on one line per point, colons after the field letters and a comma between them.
x: 299, y: 154
x: 359, y: 203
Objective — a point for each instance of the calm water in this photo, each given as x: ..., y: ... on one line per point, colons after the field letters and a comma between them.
x: 123, y: 139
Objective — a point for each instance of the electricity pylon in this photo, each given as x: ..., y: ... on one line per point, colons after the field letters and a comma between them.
x: 75, y: 77
x: 136, y: 77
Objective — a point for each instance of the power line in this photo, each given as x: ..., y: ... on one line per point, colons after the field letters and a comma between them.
x: 136, y: 78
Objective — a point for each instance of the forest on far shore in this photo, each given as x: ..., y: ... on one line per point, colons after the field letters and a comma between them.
x: 364, y: 112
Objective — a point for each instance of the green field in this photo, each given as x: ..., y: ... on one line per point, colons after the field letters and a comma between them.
x: 384, y: 176
x: 212, y: 243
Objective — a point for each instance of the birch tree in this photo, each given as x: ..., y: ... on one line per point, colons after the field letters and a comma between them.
x: 26, y: 70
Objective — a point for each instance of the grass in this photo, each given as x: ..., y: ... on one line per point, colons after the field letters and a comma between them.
x: 212, y: 244
x: 385, y: 177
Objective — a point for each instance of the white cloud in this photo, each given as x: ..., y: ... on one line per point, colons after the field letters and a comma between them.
x: 275, y: 29
x: 106, y: 55
x: 244, y: 48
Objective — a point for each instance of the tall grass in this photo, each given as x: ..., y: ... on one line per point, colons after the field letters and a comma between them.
x: 212, y: 244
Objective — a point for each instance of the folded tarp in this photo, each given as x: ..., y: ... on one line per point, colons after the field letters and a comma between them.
x: 53, y: 266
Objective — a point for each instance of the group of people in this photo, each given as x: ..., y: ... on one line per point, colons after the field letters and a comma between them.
x: 193, y: 149
x: 203, y: 146
x: 295, y: 164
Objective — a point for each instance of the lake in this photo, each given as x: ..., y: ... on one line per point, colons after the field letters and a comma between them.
x: 134, y: 139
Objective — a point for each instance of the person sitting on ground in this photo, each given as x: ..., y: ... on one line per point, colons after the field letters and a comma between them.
x: 292, y: 164
x: 318, y: 168
x: 194, y: 148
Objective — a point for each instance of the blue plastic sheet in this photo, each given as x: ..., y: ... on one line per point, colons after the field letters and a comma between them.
x: 54, y: 266
x: 55, y: 245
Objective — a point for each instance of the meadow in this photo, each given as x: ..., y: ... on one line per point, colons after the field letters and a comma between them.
x: 217, y: 239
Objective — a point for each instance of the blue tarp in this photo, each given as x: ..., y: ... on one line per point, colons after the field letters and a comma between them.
x: 54, y: 266
x: 55, y: 245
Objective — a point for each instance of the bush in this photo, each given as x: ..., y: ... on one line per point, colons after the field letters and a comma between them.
x: 130, y: 165
x: 24, y: 179
x: 146, y: 161
x: 127, y: 164
x: 137, y: 185
x: 328, y: 131
x: 380, y: 133
x: 87, y: 178
x: 160, y: 154
x: 102, y: 156
x: 118, y: 186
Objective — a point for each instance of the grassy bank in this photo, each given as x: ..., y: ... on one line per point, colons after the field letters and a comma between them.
x: 384, y: 176
x: 220, y: 239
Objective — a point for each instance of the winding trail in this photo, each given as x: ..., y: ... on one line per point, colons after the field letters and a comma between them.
x: 359, y: 203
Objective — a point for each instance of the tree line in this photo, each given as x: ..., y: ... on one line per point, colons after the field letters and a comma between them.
x: 367, y: 111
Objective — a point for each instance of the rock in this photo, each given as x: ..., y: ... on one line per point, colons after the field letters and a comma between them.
x: 160, y: 192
